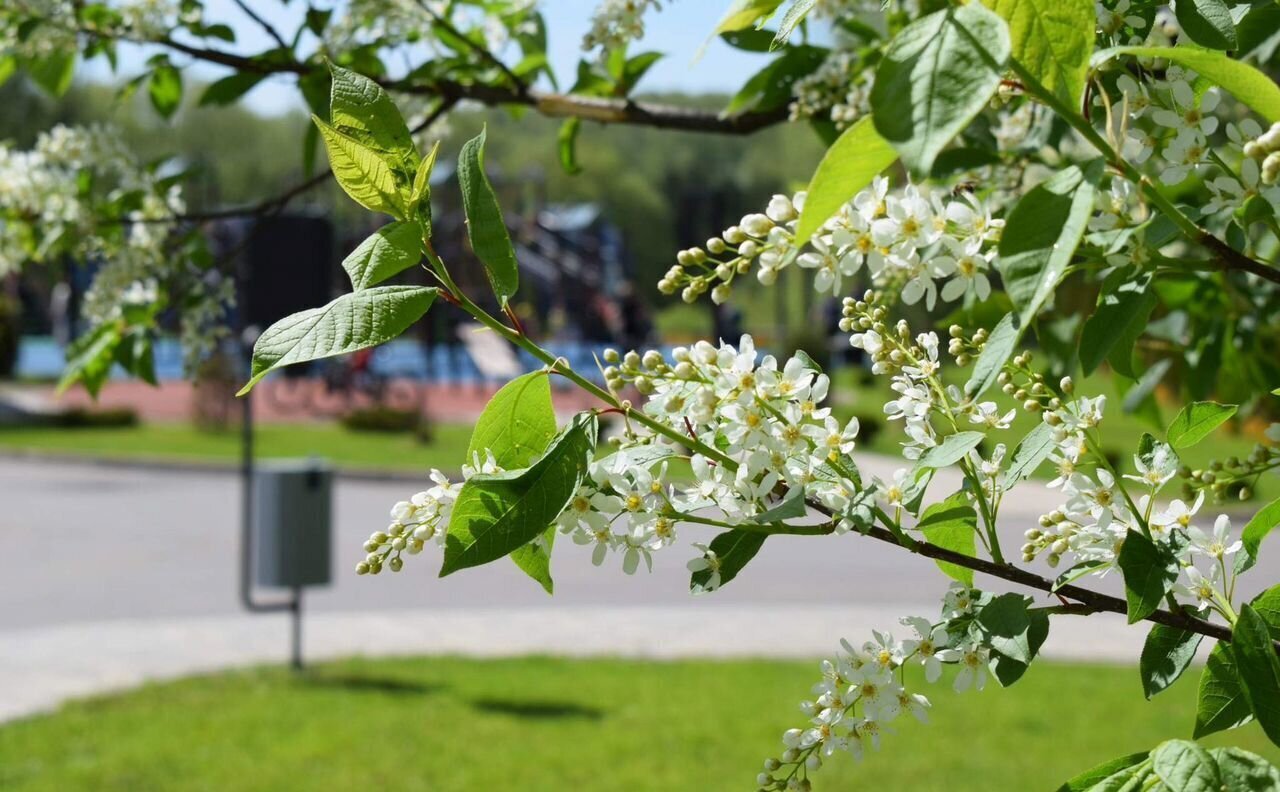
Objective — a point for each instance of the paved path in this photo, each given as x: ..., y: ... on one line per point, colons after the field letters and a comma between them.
x: 110, y: 576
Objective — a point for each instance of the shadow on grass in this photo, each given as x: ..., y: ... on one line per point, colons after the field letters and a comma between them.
x: 359, y: 683
x: 538, y: 710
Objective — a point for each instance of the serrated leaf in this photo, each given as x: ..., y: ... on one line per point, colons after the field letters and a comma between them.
x: 352, y: 322
x: 935, y: 76
x: 485, y: 227
x: 1243, y: 81
x: 1030, y: 453
x: 951, y: 525
x: 387, y: 252
x: 362, y: 110
x: 733, y: 550
x: 1165, y: 655
x: 798, y: 10
x: 746, y: 13
x: 1243, y: 771
x: 495, y: 515
x: 1006, y: 620
x: 517, y: 423
x: 89, y: 358
x: 950, y: 451
x: 1040, y: 237
x: 1076, y: 572
x: 534, y: 559
x: 1207, y: 23
x: 1220, y: 702
x: 1121, y: 315
x: 1186, y: 767
x: 1149, y: 573
x: 1089, y: 779
x: 857, y: 157
x: 1053, y: 39
x: 997, y: 349
x: 1259, y: 669
x: 363, y: 173
x: 1195, y: 421
x: 1267, y: 605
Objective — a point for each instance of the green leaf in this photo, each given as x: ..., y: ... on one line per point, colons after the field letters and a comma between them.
x: 1006, y: 620
x: 951, y: 525
x: 1245, y: 82
x: 770, y: 88
x: 495, y: 515
x: 1149, y: 573
x: 54, y: 71
x: 517, y: 423
x: 1186, y: 767
x: 229, y: 89
x: 567, y: 141
x: 790, y: 507
x: 1052, y: 40
x: 353, y: 321
x: 165, y: 88
x: 1006, y: 669
x: 534, y: 559
x: 747, y: 13
x: 1040, y: 237
x: 733, y: 550
x: 936, y: 75
x: 485, y: 227
x: 1121, y: 315
x: 1221, y: 702
x: 1267, y: 605
x: 1076, y: 572
x: 1089, y: 779
x: 364, y: 173
x: 1030, y: 454
x: 360, y: 109
x: 388, y: 251
x: 89, y: 358
x: 1259, y: 669
x: 1165, y: 655
x: 857, y: 156
x: 1207, y: 23
x: 1267, y: 518
x: 798, y: 10
x: 1195, y: 421
x: 1243, y: 771
x: 950, y: 451
x: 997, y: 349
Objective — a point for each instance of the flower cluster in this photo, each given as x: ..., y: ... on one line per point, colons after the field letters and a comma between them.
x: 615, y: 23
x: 1233, y: 476
x: 421, y: 519
x: 839, y: 90
x: 863, y: 689
x: 908, y: 241
x: 1265, y: 148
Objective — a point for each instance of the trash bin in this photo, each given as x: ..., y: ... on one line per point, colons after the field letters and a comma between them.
x: 292, y: 529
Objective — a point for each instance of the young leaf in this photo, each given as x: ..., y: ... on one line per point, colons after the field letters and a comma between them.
x: 937, y: 73
x: 733, y: 550
x: 747, y: 13
x: 495, y: 515
x: 1149, y: 573
x: 165, y: 88
x: 517, y: 423
x: 797, y: 12
x: 1030, y: 453
x: 353, y: 321
x: 229, y: 89
x: 1256, y: 530
x: 1053, y: 40
x: 360, y: 109
x: 89, y: 358
x: 1040, y: 237
x: 1195, y: 421
x: 485, y: 227
x: 1186, y: 767
x: 1006, y: 620
x: 387, y: 252
x: 1165, y: 655
x: 362, y: 172
x: 951, y: 524
x: 999, y: 346
x: 950, y: 451
x: 1207, y: 23
x: 789, y: 508
x: 857, y: 156
x: 53, y: 72
x: 1119, y: 319
x: 534, y: 559
x: 1245, y: 82
x: 567, y: 140
x: 1267, y: 605
x: 1259, y: 669
x: 1221, y: 702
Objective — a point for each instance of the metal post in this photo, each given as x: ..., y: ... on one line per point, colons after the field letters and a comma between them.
x: 294, y: 603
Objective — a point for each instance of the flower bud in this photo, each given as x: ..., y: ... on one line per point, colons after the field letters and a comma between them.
x: 716, y: 246
x: 757, y: 225
x: 749, y: 249
x: 689, y: 295
x: 721, y: 293
x: 652, y: 359
x: 734, y: 236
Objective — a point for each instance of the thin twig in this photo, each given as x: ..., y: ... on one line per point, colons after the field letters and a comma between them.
x: 262, y: 23
x: 484, y: 52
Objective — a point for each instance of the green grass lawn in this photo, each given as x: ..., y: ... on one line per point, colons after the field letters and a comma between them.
x: 343, y: 447
x: 553, y: 724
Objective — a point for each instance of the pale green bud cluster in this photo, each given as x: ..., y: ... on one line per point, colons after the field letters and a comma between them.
x: 1267, y: 149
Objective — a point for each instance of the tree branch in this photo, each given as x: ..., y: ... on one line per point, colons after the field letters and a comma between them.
x: 262, y: 23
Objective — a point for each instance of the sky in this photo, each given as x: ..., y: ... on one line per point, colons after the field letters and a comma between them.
x: 680, y: 29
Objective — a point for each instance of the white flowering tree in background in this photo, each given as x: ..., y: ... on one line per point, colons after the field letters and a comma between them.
x: 1104, y: 176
